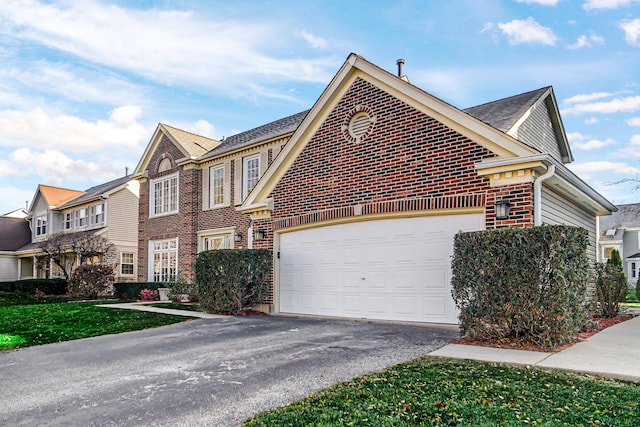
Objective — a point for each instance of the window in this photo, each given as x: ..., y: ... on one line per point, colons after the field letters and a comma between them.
x: 219, y: 238
x: 607, y: 252
x: 216, y: 182
x: 126, y: 263
x: 164, y: 195
x: 164, y: 254
x: 97, y: 214
x: 41, y: 225
x: 250, y: 174
x: 81, y: 217
x: 216, y: 242
x: 633, y: 270
x: 68, y: 220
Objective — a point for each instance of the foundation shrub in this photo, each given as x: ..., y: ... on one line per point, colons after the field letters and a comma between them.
x: 131, y: 290
x: 180, y: 290
x: 529, y: 283
x: 91, y: 281
x: 232, y: 280
x: 8, y: 286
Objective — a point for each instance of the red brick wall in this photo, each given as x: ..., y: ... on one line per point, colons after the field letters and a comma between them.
x: 407, y: 155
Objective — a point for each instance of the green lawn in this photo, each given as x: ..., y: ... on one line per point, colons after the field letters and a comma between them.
x: 631, y: 300
x: 442, y: 392
x: 27, y: 321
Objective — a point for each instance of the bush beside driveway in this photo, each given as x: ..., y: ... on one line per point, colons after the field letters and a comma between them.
x: 203, y: 372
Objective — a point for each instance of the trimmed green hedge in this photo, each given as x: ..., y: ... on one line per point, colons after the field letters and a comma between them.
x: 8, y: 286
x: 48, y: 286
x: 131, y: 290
x: 232, y: 280
x: 528, y: 283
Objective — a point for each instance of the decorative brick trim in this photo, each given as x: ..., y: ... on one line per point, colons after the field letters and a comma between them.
x: 456, y: 201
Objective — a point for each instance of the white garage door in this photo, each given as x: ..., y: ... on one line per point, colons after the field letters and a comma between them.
x: 395, y: 269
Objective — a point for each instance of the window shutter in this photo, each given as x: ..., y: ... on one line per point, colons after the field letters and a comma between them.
x: 227, y: 183
x: 237, y: 182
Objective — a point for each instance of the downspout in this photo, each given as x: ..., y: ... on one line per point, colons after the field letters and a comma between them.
x: 537, y: 194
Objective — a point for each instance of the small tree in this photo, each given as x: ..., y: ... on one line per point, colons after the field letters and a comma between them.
x: 91, y: 280
x: 57, y: 248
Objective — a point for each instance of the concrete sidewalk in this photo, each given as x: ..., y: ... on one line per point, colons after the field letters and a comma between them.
x: 611, y: 353
x: 142, y: 306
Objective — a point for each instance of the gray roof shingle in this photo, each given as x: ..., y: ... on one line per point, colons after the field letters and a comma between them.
x: 261, y: 133
x: 627, y: 216
x: 95, y: 192
x: 14, y: 233
x: 503, y: 113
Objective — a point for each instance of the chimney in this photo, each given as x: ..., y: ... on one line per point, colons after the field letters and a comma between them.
x: 400, y: 63
x: 126, y: 171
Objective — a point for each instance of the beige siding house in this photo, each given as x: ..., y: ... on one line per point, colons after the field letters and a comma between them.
x: 109, y: 210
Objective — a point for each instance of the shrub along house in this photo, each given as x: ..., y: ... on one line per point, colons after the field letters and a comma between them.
x: 363, y: 193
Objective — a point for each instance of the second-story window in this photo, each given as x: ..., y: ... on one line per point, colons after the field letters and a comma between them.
x: 68, y: 220
x: 41, y: 225
x: 250, y: 174
x: 81, y: 217
x: 164, y: 195
x: 216, y: 179
x: 97, y: 214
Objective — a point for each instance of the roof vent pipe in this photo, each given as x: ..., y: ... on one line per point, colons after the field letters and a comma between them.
x: 400, y: 63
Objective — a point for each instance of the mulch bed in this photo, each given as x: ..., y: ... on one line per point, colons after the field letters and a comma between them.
x: 520, y: 343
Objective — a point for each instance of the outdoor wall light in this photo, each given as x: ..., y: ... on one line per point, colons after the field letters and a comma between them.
x: 502, y: 209
x: 259, y: 235
x: 237, y: 237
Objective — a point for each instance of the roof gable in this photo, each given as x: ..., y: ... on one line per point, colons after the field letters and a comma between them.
x: 54, y: 196
x: 355, y: 67
x: 191, y: 145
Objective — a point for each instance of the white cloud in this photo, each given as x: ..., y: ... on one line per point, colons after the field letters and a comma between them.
x: 591, y: 121
x: 588, y: 97
x: 588, y: 170
x: 635, y: 140
x: 40, y: 128
x: 590, y: 5
x: 617, y: 105
x: 586, y: 41
x: 54, y: 166
x: 631, y: 31
x: 633, y: 122
x: 166, y: 46
x: 579, y: 141
x: 527, y: 31
x: 540, y: 2
x: 204, y: 128
x: 314, y: 41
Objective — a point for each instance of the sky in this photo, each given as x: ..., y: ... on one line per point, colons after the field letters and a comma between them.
x: 84, y: 83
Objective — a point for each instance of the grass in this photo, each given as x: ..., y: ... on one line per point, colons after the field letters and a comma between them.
x: 442, y: 392
x: 28, y: 321
x: 631, y: 300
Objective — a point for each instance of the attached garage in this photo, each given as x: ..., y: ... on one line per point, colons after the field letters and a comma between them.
x: 392, y: 269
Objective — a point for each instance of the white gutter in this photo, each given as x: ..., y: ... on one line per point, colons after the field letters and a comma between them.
x: 537, y: 194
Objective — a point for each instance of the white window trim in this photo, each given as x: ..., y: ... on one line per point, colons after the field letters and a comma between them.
x: 68, y: 220
x: 133, y: 263
x: 151, y: 253
x: 228, y: 232
x: 212, y: 203
x: 42, y: 224
x: 152, y: 195
x: 245, y: 178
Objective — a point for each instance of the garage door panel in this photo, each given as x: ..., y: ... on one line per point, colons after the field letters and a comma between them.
x: 396, y: 269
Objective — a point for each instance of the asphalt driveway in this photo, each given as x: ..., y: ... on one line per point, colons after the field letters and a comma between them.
x: 209, y: 372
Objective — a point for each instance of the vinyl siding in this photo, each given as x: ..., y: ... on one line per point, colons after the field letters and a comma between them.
x: 8, y: 267
x: 122, y: 215
x: 558, y: 210
x: 537, y: 131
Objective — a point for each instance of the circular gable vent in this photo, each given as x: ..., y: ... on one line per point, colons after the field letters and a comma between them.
x: 358, y: 124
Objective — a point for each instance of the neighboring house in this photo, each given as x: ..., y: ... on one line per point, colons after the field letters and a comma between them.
x: 18, y: 213
x: 109, y: 210
x: 363, y: 193
x: 621, y: 231
x: 14, y: 233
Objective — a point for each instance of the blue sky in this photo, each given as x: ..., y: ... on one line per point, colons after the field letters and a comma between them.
x: 84, y: 83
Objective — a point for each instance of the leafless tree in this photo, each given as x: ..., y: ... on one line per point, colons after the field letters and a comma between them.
x: 88, y: 248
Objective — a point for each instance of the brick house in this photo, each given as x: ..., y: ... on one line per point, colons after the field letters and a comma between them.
x: 364, y: 193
